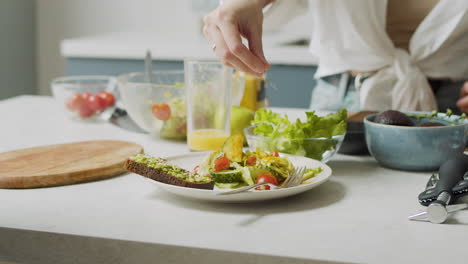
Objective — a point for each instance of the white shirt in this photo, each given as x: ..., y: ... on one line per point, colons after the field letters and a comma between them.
x: 351, y: 35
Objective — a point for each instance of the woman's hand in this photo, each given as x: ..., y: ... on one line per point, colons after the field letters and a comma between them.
x: 462, y: 103
x: 224, y: 27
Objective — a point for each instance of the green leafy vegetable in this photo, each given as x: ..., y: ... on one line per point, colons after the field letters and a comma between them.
x: 448, y: 117
x: 309, y: 173
x: 292, y: 138
x: 176, y: 126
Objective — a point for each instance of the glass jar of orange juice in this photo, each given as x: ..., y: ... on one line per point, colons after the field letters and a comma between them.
x: 208, y: 91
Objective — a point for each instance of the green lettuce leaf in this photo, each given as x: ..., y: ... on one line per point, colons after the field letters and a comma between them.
x: 291, y: 137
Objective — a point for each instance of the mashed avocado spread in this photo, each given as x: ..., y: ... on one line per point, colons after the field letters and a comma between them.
x: 174, y: 170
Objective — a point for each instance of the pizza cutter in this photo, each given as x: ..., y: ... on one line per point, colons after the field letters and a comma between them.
x: 444, y: 188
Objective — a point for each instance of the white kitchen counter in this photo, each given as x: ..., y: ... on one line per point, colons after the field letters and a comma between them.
x: 358, y: 216
x: 171, y: 46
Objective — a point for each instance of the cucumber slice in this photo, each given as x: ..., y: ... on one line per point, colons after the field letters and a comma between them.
x: 232, y: 185
x: 246, y: 176
x: 227, y: 176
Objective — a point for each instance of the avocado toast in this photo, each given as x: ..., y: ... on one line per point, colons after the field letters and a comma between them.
x: 159, y: 170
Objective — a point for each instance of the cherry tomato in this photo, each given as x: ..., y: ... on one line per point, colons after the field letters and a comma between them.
x: 95, y: 103
x: 251, y: 161
x: 85, y: 111
x: 161, y: 111
x: 221, y: 164
x: 108, y: 98
x: 86, y: 95
x: 75, y: 102
x: 275, y: 153
x: 266, y: 178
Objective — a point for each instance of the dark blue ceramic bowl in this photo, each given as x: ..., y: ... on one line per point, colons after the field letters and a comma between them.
x: 415, y: 148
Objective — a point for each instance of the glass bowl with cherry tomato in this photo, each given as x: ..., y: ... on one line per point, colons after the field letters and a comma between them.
x: 85, y: 97
x: 157, y: 104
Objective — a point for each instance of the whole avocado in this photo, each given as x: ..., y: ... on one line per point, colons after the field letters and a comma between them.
x: 393, y: 117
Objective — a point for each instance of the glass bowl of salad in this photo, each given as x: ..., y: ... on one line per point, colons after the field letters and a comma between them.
x: 157, y: 104
x: 318, y: 137
x: 85, y: 97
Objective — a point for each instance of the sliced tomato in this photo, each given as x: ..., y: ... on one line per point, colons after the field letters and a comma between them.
x: 251, y: 161
x: 95, y: 103
x: 275, y: 153
x: 266, y: 178
x: 161, y: 111
x: 221, y: 164
x: 108, y: 98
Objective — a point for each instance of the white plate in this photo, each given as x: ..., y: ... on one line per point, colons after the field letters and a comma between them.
x: 189, y: 161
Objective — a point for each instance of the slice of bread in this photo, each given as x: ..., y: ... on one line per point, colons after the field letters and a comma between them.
x: 164, y: 177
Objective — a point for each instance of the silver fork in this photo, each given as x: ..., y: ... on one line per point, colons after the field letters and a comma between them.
x: 293, y: 180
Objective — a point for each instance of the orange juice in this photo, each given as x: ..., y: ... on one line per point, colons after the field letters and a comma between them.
x: 206, y: 139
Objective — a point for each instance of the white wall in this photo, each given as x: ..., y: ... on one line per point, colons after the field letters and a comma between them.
x: 17, y: 58
x: 62, y: 19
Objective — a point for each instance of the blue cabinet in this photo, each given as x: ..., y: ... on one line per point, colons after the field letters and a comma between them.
x: 287, y: 85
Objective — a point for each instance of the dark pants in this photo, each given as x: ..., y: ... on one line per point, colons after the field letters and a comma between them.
x: 447, y: 93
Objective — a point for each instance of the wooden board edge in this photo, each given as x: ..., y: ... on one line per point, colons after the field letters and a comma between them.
x: 57, y: 180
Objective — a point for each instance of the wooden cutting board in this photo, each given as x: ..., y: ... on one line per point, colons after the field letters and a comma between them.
x: 63, y: 164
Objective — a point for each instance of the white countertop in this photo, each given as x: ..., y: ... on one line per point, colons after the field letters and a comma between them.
x: 358, y: 216
x: 171, y: 46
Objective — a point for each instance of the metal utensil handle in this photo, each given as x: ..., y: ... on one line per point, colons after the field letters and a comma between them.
x: 450, y: 173
x: 148, y: 67
x: 244, y: 189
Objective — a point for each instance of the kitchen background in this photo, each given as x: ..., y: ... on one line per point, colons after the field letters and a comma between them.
x: 44, y: 39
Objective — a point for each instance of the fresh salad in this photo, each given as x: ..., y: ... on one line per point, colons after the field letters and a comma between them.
x: 231, y: 167
x: 294, y: 137
x: 174, y: 117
